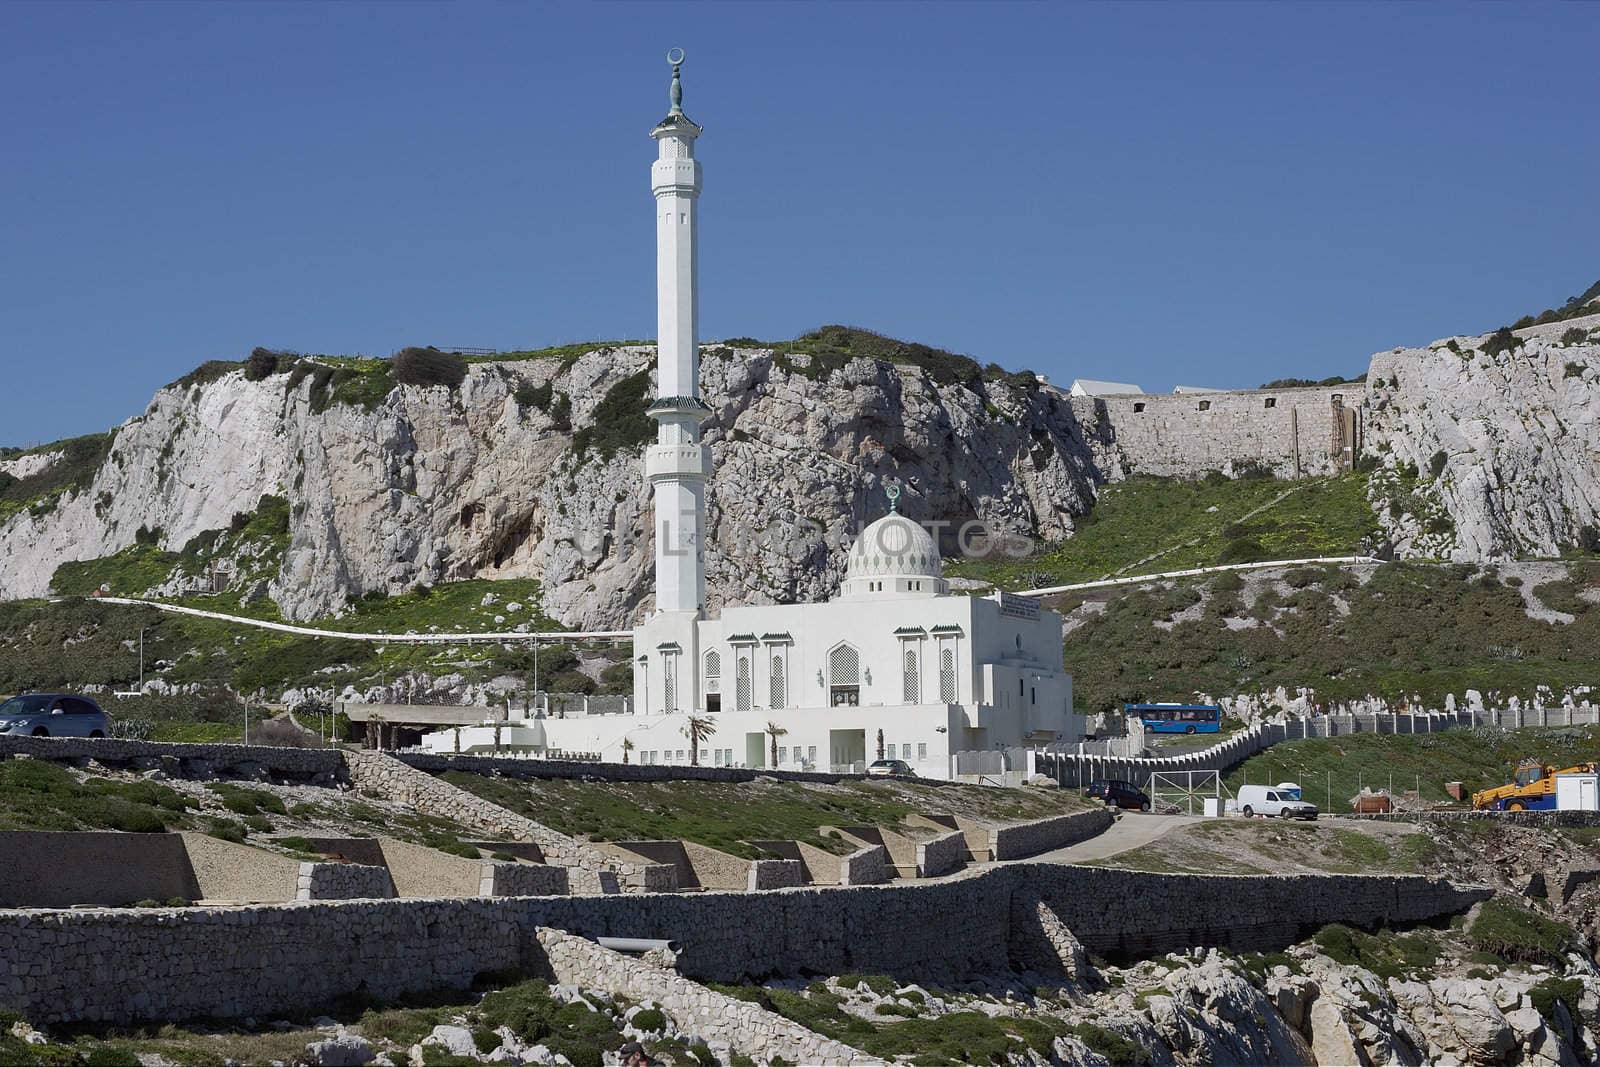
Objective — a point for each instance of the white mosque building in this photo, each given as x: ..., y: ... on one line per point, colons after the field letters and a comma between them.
x: 894, y: 666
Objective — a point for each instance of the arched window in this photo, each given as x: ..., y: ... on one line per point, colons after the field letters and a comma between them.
x: 947, y: 676
x: 844, y: 677
x: 777, y: 696
x: 911, y: 688
x: 669, y: 680
x: 713, y: 680
x: 742, y: 684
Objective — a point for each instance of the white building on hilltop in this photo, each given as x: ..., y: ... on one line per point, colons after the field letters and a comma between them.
x: 894, y: 666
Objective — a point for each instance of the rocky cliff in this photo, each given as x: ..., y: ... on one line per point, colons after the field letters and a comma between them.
x: 531, y: 468
x: 1479, y: 448
x: 1489, y: 447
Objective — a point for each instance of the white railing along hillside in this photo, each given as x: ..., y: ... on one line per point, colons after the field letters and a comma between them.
x: 1195, y: 571
x: 350, y: 635
x: 1072, y: 769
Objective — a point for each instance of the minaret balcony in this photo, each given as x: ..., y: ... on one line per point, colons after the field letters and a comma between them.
x: 682, y: 462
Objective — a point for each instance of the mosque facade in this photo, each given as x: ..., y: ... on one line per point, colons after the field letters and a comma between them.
x: 895, y: 666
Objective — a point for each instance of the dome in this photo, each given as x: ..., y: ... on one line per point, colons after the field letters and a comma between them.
x: 894, y: 546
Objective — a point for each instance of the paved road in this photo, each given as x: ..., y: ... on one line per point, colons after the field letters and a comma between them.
x: 1132, y: 830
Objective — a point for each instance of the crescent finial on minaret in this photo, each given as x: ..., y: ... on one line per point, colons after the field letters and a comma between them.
x: 675, y: 94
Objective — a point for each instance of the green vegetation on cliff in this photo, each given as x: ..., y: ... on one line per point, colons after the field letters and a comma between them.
x: 1149, y: 525
x: 1408, y: 630
x: 74, y: 471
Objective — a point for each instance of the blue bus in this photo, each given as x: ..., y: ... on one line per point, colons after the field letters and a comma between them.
x: 1177, y: 718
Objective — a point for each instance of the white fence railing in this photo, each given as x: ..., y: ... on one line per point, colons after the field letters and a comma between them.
x: 1072, y: 769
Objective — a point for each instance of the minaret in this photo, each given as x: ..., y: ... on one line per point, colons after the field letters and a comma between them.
x: 678, y: 465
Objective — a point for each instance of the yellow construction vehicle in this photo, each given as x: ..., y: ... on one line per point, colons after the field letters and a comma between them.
x: 1532, y: 788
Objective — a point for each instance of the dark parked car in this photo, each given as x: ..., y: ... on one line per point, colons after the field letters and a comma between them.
x: 53, y: 715
x: 1116, y: 791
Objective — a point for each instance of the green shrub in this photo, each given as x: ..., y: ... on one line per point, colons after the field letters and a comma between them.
x: 429, y: 366
x: 1573, y: 336
x: 1552, y: 991
x: 1112, y: 1045
x: 649, y: 1021
x: 1244, y: 550
x: 227, y: 830
x: 1517, y: 933
x: 265, y: 362
x: 619, y: 420
x: 1436, y: 465
x: 1502, y: 340
x: 243, y: 800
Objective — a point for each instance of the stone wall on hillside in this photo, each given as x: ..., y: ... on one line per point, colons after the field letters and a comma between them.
x: 589, y: 870
x: 343, y: 881
x: 747, y: 1028
x: 942, y: 854
x: 1290, y: 433
x: 301, y: 957
x: 319, y: 766
x: 541, y: 769
x: 1042, y: 835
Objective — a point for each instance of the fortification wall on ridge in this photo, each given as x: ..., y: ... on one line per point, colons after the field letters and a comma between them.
x: 122, y: 965
x: 1291, y: 433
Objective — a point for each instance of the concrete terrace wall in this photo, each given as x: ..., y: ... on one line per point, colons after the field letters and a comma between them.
x: 1171, y: 434
x: 58, y: 870
x: 124, y: 965
x: 589, y: 870
x: 229, y: 871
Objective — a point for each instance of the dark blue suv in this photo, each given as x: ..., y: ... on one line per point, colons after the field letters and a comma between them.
x: 53, y: 715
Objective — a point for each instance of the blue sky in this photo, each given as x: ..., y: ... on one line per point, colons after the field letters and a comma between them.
x: 1197, y: 193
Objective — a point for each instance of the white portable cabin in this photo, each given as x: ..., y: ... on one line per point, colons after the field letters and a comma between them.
x: 1578, y: 792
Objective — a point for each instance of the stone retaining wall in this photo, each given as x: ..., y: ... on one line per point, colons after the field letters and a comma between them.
x: 343, y: 881
x: 522, y: 880
x: 942, y: 854
x: 321, y: 765
x: 1031, y: 838
x: 746, y: 1028
x: 122, y: 965
x: 589, y: 869
x: 865, y: 866
x: 505, y: 767
x: 774, y: 874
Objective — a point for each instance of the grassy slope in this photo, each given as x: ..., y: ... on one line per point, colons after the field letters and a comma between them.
x: 1144, y: 516
x: 1410, y: 631
x: 1476, y: 758
x: 1249, y: 846
x: 724, y: 815
x: 72, y: 643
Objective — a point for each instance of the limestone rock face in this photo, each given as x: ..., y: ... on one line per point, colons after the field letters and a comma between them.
x: 1519, y: 437
x: 433, y: 485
